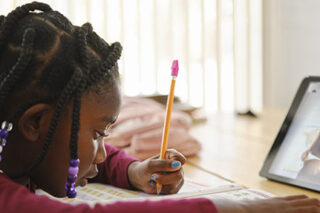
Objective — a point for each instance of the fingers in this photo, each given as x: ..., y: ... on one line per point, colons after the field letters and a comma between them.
x: 156, y: 165
x: 305, y: 202
x: 175, y: 155
x: 306, y: 209
x: 168, y: 178
x: 172, y: 189
x: 294, y: 197
x: 171, y: 182
x: 301, y: 203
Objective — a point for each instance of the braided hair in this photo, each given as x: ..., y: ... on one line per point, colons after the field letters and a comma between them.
x: 45, y: 59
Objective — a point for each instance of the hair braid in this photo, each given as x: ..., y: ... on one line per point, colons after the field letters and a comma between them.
x: 11, y: 19
x: 113, y: 56
x: 81, y: 35
x: 8, y: 83
x: 75, y: 125
x: 84, y: 58
x: 104, y: 68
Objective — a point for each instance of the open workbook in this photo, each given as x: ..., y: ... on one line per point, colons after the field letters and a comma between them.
x: 99, y: 193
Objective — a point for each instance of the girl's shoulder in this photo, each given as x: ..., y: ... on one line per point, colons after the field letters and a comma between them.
x: 6, y: 182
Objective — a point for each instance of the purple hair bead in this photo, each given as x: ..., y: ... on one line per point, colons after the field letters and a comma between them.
x: 74, y: 162
x: 72, y: 194
x: 3, y: 142
x: 6, y: 127
x: 73, y: 170
x: 3, y: 133
x: 72, y: 178
x: 69, y: 186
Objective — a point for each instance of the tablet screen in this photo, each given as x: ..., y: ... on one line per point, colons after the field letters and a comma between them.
x: 298, y: 157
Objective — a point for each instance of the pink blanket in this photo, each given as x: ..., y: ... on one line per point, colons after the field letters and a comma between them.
x: 138, y: 129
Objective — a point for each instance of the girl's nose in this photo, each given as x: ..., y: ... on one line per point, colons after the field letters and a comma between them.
x: 101, y: 153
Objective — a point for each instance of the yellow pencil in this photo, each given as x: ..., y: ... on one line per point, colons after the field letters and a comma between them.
x: 165, y: 133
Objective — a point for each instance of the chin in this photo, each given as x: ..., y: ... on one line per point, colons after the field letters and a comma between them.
x: 59, y: 193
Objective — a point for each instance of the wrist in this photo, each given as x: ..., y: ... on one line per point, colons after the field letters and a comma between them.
x: 132, y: 175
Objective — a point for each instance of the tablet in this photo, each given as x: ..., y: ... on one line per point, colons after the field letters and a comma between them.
x: 294, y: 157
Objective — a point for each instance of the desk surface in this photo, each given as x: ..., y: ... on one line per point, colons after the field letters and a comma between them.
x: 235, y: 147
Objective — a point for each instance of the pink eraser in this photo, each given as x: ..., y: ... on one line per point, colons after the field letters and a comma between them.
x: 175, y: 68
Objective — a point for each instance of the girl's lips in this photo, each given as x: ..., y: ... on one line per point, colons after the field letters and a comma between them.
x: 91, y: 174
x: 83, y: 182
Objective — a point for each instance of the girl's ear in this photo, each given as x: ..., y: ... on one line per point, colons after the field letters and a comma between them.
x: 35, y: 120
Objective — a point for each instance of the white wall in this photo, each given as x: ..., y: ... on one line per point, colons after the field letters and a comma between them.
x: 291, y: 47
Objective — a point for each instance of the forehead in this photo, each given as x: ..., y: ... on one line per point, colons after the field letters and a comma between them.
x: 102, y: 105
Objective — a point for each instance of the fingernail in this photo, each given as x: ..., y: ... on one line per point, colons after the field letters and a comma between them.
x: 153, y: 177
x: 150, y: 183
x: 175, y: 164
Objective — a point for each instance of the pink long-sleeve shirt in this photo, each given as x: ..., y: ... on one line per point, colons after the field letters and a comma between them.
x: 15, y: 198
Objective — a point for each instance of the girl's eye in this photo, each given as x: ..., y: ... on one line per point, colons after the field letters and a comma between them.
x: 101, y: 135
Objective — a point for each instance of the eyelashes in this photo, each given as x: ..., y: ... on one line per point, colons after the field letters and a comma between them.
x: 101, y: 135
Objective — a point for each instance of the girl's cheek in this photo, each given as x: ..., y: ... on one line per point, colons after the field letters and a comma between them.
x: 95, y: 146
x: 87, y: 151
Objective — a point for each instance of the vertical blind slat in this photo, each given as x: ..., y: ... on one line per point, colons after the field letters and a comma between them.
x: 203, y: 54
x: 139, y: 45
x: 218, y: 49
x: 187, y: 65
x: 234, y: 15
x: 123, y: 70
x: 248, y: 55
x: 155, y: 51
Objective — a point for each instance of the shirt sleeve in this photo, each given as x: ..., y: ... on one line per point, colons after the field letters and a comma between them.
x: 15, y: 198
x: 114, y: 169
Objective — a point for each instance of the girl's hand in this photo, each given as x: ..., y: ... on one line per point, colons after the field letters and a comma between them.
x: 169, y: 172
x: 290, y: 204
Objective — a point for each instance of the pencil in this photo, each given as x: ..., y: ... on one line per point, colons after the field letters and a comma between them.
x: 165, y: 133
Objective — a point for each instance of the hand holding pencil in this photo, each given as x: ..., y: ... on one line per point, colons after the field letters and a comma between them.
x: 162, y: 173
x: 165, y: 134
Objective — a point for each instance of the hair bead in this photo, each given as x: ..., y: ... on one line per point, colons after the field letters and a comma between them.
x: 3, y: 142
x: 6, y: 127
x: 74, y: 162
x: 72, y: 177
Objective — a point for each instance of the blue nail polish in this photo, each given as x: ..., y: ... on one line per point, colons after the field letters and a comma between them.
x: 175, y: 164
x: 150, y: 183
x: 152, y: 177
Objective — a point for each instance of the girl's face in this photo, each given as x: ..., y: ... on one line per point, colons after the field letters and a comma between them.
x: 98, y: 112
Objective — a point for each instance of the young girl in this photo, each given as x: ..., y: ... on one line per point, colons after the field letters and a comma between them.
x: 59, y: 94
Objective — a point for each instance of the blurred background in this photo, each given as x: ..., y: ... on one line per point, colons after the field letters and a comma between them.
x: 234, y: 55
